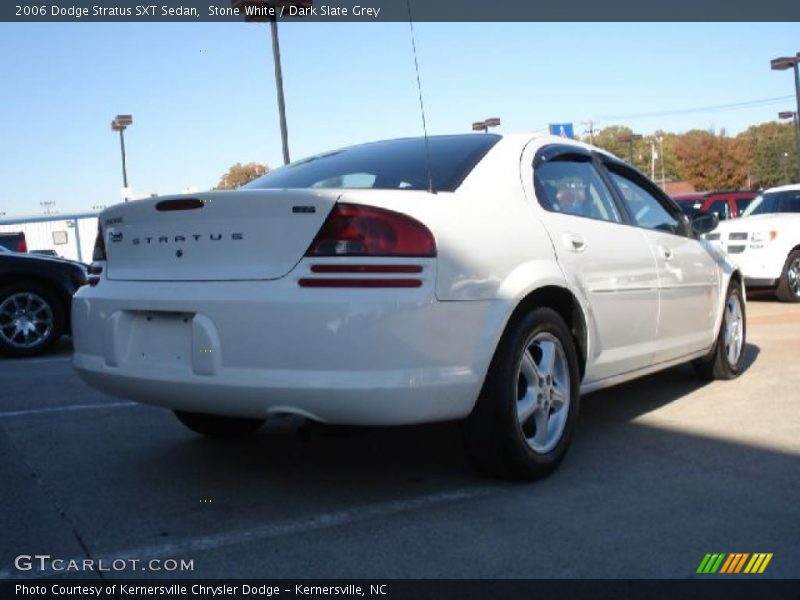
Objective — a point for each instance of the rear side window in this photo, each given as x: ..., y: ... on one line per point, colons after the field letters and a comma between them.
x: 574, y: 187
x: 390, y: 165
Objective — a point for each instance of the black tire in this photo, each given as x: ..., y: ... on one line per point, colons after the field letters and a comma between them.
x: 788, y: 289
x: 44, y: 303
x: 218, y: 426
x: 493, y: 434
x: 717, y: 364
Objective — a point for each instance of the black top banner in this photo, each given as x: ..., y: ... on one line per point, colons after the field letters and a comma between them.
x: 367, y: 11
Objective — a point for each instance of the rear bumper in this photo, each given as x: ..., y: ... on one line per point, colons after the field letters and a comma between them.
x: 253, y: 349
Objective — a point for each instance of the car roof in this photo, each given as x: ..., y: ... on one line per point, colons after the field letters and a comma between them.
x: 784, y: 188
x: 704, y: 195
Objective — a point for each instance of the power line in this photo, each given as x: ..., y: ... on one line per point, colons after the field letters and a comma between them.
x: 686, y: 111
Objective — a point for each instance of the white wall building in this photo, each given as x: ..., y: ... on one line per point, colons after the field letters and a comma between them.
x: 69, y: 235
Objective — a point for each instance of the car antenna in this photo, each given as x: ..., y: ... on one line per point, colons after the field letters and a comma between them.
x: 421, y: 104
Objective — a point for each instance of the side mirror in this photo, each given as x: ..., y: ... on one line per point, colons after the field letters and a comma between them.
x: 704, y: 222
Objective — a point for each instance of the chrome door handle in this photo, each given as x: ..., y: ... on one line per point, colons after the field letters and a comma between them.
x: 574, y: 243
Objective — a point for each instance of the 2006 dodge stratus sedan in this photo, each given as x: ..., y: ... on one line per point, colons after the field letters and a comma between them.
x: 476, y: 277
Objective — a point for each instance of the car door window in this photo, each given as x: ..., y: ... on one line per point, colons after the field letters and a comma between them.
x: 644, y: 207
x: 573, y: 186
x: 742, y: 203
x: 720, y: 207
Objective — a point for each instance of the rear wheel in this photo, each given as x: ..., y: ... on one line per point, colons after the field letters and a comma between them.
x: 31, y: 319
x: 217, y: 425
x: 523, y: 421
x: 727, y: 359
x: 789, y: 285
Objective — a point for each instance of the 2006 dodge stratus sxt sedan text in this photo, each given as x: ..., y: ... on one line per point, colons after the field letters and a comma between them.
x: 484, y: 278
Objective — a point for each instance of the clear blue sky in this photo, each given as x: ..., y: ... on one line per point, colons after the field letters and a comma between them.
x: 203, y: 96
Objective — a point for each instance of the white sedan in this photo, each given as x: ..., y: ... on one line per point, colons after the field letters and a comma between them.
x: 475, y: 277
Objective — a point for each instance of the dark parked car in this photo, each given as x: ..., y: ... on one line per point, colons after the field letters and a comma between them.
x: 35, y: 301
x: 726, y: 204
x: 13, y: 241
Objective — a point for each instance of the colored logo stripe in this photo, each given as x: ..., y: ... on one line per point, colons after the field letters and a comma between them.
x: 710, y: 563
x: 734, y: 562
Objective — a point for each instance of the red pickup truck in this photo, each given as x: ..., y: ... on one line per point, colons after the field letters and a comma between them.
x: 727, y: 204
x: 14, y: 241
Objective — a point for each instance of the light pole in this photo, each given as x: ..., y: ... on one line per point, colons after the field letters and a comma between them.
x: 653, y: 156
x: 782, y: 64
x: 790, y: 114
x: 268, y: 10
x: 485, y: 124
x: 629, y: 139
x: 276, y: 58
x: 120, y: 123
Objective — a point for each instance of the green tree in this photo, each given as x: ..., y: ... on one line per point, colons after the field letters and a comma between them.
x: 240, y: 174
x: 773, y: 152
x: 612, y: 139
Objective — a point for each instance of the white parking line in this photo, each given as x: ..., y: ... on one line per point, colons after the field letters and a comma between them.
x: 309, y: 523
x: 56, y: 409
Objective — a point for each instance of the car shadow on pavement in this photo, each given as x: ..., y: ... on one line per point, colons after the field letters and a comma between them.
x: 291, y: 451
x: 646, y: 394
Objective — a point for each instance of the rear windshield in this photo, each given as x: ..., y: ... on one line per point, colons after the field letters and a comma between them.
x: 390, y: 165
x: 775, y: 202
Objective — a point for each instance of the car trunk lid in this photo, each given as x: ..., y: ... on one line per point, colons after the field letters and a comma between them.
x: 225, y: 236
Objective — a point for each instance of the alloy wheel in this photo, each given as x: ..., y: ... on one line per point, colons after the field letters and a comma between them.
x: 26, y: 320
x: 733, y: 336
x: 793, y: 277
x: 543, y: 392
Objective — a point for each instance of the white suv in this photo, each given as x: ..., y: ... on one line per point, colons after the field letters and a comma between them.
x: 765, y: 242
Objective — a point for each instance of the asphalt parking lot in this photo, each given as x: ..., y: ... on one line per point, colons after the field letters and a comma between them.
x: 662, y: 471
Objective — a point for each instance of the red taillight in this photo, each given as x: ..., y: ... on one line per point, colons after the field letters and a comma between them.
x: 99, y: 252
x: 356, y: 230
x: 22, y: 245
